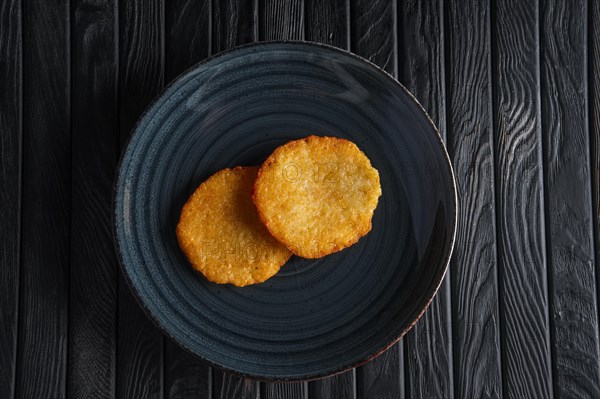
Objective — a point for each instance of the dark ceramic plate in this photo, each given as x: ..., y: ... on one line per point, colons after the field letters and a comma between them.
x: 315, y: 317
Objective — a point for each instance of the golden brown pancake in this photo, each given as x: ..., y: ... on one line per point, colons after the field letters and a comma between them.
x: 317, y: 195
x: 220, y: 232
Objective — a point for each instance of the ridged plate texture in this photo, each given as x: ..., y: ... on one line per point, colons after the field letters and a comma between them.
x: 315, y: 317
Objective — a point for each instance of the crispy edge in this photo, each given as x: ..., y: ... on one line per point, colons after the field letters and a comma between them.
x: 185, y: 209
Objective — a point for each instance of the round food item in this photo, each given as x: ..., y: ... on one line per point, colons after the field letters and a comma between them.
x: 317, y: 195
x: 220, y: 232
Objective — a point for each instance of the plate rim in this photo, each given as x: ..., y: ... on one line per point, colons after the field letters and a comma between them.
x: 306, y: 377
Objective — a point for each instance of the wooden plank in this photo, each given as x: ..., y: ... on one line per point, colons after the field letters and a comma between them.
x: 374, y: 37
x: 374, y: 32
x: 281, y: 20
x: 384, y: 376
x: 291, y: 390
x: 517, y: 152
x: 46, y: 202
x: 233, y: 24
x: 276, y: 390
x: 594, y: 93
x: 95, y: 149
x: 141, y: 72
x: 187, y: 34
x: 428, y: 344
x: 329, y: 22
x: 574, y: 312
x: 187, y: 41
x: 228, y: 386
x: 476, y: 333
x: 421, y: 62
x: 185, y: 375
x: 10, y: 195
x: 340, y: 386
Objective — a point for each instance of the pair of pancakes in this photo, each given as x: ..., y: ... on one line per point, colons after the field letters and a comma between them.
x: 311, y: 197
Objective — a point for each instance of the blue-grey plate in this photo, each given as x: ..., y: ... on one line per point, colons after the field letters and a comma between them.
x: 315, y: 317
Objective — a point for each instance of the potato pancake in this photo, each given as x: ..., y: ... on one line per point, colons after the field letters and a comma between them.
x: 317, y: 195
x: 220, y: 232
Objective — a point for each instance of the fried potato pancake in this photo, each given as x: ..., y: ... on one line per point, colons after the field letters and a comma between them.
x: 317, y: 195
x: 220, y: 232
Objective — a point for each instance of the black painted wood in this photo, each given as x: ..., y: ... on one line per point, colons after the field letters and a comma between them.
x: 515, y: 87
x: 187, y: 34
x: 476, y: 329
x: 282, y: 20
x: 228, y: 386
x: 92, y: 340
x: 46, y: 201
x: 341, y: 386
x: 594, y: 95
x: 384, y: 376
x: 373, y: 32
x: 329, y: 23
x: 573, y: 304
x: 185, y: 375
x: 292, y: 390
x: 374, y: 36
x: 187, y: 41
x: 10, y: 193
x: 428, y: 345
x: 519, y: 192
x: 233, y: 23
x: 141, y: 74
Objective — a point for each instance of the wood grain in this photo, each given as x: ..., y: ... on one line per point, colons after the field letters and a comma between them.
x: 46, y: 202
x: 519, y: 192
x: 574, y: 312
x: 187, y: 41
x: 384, y: 376
x: 233, y: 24
x: 228, y: 386
x: 421, y: 62
x: 594, y: 95
x: 428, y: 344
x: 374, y: 32
x: 141, y: 66
x: 10, y: 194
x: 340, y: 386
x: 141, y: 73
x: 281, y: 20
x: 532, y: 136
x: 185, y: 375
x: 291, y: 390
x: 374, y: 37
x: 328, y: 22
x: 187, y: 35
x: 476, y: 332
x: 95, y: 146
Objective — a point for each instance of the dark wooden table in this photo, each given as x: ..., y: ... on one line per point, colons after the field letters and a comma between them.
x: 514, y: 86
